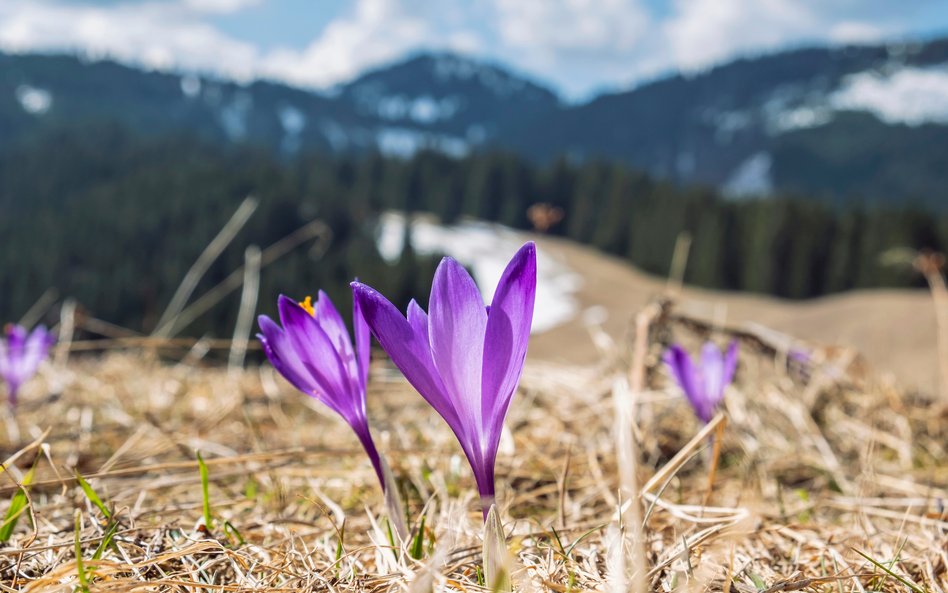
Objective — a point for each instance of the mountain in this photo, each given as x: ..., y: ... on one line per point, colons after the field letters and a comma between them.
x: 435, y: 101
x: 842, y: 123
x: 867, y: 120
x: 456, y: 98
x: 39, y: 91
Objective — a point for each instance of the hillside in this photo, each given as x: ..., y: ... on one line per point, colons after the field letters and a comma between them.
x: 893, y: 329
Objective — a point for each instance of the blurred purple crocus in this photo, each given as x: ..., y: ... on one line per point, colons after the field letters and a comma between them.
x: 465, y: 359
x: 21, y: 353
x: 314, y: 352
x: 703, y: 382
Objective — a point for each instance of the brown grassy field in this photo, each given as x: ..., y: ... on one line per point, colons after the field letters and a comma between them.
x: 827, y: 479
x: 894, y: 330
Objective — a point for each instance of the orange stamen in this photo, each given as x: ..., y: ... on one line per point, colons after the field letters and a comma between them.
x: 307, y: 304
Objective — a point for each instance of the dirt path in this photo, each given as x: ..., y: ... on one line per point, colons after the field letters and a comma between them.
x: 893, y: 329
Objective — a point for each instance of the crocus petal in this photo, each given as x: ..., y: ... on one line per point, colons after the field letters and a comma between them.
x: 418, y: 320
x: 16, y: 337
x: 712, y: 373
x: 730, y: 364
x: 35, y: 349
x: 679, y: 364
x: 407, y: 349
x: 457, y: 326
x: 328, y: 318
x: 363, y: 342
x: 681, y: 368
x: 317, y: 355
x: 283, y: 357
x: 508, y: 332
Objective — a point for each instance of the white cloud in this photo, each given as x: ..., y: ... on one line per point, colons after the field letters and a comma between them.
x: 705, y: 32
x: 155, y: 34
x: 857, y: 32
x: 595, y: 26
x: 911, y: 95
x: 377, y: 31
x: 219, y: 6
x: 578, y: 44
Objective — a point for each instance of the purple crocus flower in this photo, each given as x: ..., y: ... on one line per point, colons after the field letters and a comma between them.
x: 465, y: 359
x: 21, y: 354
x: 704, y: 382
x: 314, y: 352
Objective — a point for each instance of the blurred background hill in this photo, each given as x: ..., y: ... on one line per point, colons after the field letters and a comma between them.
x: 843, y: 124
x: 793, y: 172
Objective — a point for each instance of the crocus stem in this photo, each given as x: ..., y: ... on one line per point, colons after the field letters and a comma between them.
x: 393, y: 502
x: 365, y: 437
x: 485, y: 488
x: 494, y: 553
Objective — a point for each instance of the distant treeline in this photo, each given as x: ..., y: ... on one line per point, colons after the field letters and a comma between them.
x: 115, y: 220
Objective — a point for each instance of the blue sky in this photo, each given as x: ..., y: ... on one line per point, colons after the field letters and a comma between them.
x: 578, y: 46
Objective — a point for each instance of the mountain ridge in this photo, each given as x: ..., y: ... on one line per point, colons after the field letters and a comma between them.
x: 777, y: 123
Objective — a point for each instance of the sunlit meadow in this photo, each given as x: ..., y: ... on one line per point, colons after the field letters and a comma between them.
x: 478, y: 296
x: 670, y: 464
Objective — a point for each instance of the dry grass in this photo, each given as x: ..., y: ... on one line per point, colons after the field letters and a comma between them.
x: 811, y: 473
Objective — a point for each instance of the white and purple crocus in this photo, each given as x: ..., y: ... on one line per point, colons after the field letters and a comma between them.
x: 465, y: 359
x: 314, y: 352
x: 703, y: 382
x: 21, y: 353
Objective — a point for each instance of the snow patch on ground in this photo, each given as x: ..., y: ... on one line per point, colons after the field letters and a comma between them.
x: 485, y: 248
x: 912, y: 96
x: 33, y: 100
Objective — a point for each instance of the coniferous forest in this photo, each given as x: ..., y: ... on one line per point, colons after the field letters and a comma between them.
x: 115, y: 219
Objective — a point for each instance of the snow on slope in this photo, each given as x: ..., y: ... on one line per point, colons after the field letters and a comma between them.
x: 485, y: 248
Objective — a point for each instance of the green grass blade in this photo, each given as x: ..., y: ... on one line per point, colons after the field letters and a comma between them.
x: 17, y: 508
x: 418, y: 545
x: 569, y: 550
x: 80, y: 565
x: 341, y: 534
x: 106, y: 541
x: 93, y: 496
x: 891, y: 573
x: 234, y: 533
x: 205, y: 492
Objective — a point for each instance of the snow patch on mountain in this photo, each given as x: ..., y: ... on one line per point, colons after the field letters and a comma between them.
x: 448, y: 67
x: 424, y: 109
x: 34, y: 100
x: 293, y: 122
x: 405, y: 142
x: 234, y: 115
x: 911, y: 95
x: 486, y: 248
x: 751, y: 178
x: 804, y: 116
x: 190, y: 86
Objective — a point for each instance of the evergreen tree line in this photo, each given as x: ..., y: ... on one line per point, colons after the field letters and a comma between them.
x: 791, y: 246
x: 115, y: 220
